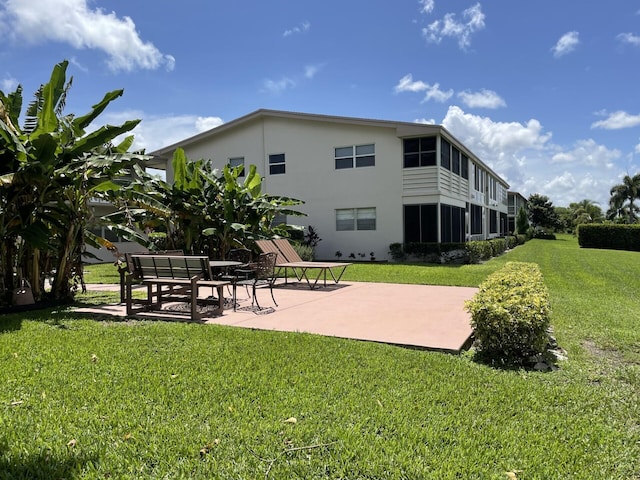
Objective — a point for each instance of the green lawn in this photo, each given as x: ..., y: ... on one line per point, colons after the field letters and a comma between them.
x: 81, y: 398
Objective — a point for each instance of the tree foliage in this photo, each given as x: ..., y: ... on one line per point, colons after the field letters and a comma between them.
x: 49, y: 169
x: 522, y: 222
x: 621, y: 204
x: 541, y: 212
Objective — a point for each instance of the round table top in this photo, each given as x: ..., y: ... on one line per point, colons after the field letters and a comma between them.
x: 224, y: 263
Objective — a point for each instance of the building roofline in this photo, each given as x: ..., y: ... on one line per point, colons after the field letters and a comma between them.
x: 263, y: 112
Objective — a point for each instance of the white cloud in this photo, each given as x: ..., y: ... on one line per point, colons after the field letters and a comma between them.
x: 157, y: 131
x: 425, y: 121
x: 8, y: 84
x: 406, y: 84
x: 75, y: 23
x: 629, y: 38
x: 588, y: 152
x: 427, y: 6
x: 278, y: 86
x: 289, y: 82
x: 310, y: 71
x: 482, y: 99
x: 567, y: 44
x: 637, y: 149
x: 617, y: 120
x: 449, y: 26
x: 434, y: 93
x: 302, y: 28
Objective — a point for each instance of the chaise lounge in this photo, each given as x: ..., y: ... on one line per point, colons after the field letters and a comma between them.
x: 288, y: 258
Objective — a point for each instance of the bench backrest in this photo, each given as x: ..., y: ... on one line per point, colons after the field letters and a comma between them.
x: 171, y: 266
x: 128, y: 266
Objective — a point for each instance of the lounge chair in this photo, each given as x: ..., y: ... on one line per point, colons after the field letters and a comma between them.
x: 288, y: 258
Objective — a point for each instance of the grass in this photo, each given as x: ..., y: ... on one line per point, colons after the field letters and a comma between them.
x: 81, y: 398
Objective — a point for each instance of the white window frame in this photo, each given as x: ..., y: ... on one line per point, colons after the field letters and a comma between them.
x: 351, y: 155
x: 282, y: 163
x: 350, y: 219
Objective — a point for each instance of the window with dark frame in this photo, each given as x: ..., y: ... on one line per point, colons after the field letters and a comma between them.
x: 419, y: 152
x: 277, y: 164
x: 445, y: 154
x: 476, y: 220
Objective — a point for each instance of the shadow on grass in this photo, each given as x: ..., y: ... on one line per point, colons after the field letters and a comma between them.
x: 10, y: 323
x: 45, y: 465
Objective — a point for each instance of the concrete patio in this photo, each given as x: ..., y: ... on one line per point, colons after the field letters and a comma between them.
x: 421, y: 316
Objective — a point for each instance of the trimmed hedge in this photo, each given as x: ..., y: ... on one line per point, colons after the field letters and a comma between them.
x: 611, y: 236
x: 477, y: 250
x: 510, y: 314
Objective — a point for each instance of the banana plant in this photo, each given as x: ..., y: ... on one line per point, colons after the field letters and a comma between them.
x: 49, y: 169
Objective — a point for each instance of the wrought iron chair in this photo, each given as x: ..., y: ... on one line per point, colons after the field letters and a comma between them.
x: 263, y: 273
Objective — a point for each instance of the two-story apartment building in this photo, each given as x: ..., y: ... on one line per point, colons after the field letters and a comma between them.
x: 365, y: 183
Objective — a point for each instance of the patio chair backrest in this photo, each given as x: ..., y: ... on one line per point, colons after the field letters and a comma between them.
x: 266, y: 266
x: 242, y: 255
x: 286, y: 250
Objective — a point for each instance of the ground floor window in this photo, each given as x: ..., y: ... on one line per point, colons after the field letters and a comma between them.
x: 493, y: 221
x: 476, y: 220
x: 421, y: 223
x: 237, y: 162
x: 452, y: 224
x: 356, y: 219
x: 504, y: 224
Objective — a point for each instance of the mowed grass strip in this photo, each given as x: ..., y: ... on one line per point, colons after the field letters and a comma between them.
x: 81, y: 398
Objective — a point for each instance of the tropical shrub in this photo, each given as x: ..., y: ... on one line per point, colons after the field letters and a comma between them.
x: 479, y: 250
x: 510, y: 314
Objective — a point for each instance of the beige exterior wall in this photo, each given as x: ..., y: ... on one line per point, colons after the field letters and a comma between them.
x: 308, y: 142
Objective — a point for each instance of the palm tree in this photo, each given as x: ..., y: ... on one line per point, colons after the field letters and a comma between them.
x: 623, y: 196
x: 586, y: 211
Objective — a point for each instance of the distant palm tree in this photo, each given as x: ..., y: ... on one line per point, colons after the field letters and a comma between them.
x: 623, y: 196
x: 586, y: 211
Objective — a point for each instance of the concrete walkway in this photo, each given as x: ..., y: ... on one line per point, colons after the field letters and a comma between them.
x: 423, y: 316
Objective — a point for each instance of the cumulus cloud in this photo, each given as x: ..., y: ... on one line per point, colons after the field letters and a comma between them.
x: 425, y: 121
x: 157, y: 131
x: 567, y: 44
x: 75, y: 23
x: 588, y: 152
x: 482, y: 99
x: 525, y: 156
x: 302, y: 28
x: 617, y: 120
x: 450, y: 26
x: 629, y: 38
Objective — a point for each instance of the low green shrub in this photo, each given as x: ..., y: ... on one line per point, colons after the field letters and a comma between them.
x: 521, y: 238
x: 498, y: 246
x: 305, y: 252
x: 396, y: 251
x: 512, y: 241
x: 510, y: 314
x: 544, y: 236
x: 611, y: 236
x: 479, y: 250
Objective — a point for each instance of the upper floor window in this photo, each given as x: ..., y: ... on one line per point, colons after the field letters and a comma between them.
x: 355, y: 155
x: 237, y: 162
x: 464, y: 166
x: 277, y: 164
x: 356, y: 219
x: 445, y: 154
x: 419, y: 152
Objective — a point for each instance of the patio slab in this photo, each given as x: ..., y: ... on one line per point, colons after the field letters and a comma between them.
x: 421, y: 316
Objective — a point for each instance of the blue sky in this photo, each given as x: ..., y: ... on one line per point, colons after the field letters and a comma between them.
x: 546, y: 92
